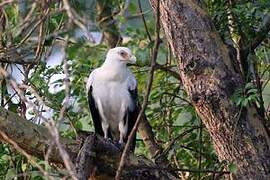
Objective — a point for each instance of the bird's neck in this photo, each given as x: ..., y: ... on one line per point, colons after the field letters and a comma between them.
x: 115, y: 70
x: 109, y: 63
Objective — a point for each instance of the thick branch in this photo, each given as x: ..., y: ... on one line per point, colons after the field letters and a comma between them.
x: 10, y: 55
x: 103, y: 155
x: 34, y: 139
x: 90, y: 161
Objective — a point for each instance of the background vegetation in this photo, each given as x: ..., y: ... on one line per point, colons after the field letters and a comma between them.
x: 52, y: 46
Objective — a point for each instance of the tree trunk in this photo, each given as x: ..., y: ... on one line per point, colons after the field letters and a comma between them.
x: 210, y: 79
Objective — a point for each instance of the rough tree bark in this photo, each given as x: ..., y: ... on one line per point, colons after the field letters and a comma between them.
x: 96, y: 152
x: 209, y: 77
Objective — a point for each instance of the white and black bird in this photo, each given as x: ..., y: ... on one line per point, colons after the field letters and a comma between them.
x: 112, y: 96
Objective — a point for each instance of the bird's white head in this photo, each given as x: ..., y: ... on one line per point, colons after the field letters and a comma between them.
x: 122, y: 55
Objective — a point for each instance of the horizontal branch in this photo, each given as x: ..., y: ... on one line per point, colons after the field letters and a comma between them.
x: 15, y: 61
x: 11, y: 55
x: 32, y: 138
x: 104, y: 155
x: 169, y: 70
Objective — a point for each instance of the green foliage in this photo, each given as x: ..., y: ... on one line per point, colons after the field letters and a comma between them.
x: 169, y: 111
x: 247, y: 16
x: 249, y: 94
x: 232, y: 167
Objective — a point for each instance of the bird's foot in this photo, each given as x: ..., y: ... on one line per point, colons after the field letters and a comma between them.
x: 120, y: 145
x: 109, y: 140
x: 81, y: 136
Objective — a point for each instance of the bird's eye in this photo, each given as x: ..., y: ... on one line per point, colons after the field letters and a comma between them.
x: 123, y: 54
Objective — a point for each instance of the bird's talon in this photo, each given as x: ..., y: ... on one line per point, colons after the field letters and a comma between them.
x: 120, y: 146
x: 109, y: 140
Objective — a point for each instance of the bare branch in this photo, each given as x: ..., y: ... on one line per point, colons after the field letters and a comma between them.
x: 144, y: 21
x: 54, y: 129
x: 6, y: 2
x: 172, y: 143
x: 169, y: 70
x: 32, y: 138
x: 10, y: 55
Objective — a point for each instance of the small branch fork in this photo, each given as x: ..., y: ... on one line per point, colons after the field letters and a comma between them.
x: 146, y: 96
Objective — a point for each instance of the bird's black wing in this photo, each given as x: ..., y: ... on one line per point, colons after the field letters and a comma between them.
x: 132, y: 116
x: 94, y: 112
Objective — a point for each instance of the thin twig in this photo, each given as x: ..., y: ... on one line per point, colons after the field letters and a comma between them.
x: 28, y: 19
x: 54, y: 127
x: 6, y: 2
x: 188, y: 170
x: 144, y: 21
x: 146, y: 96
x: 29, y: 157
x: 66, y: 159
x: 180, y: 174
x: 75, y: 18
x: 200, y: 149
x: 67, y: 87
x: 179, y: 97
x: 172, y: 142
x: 41, y: 41
x: 169, y: 70
x: 34, y: 28
x: 17, y: 88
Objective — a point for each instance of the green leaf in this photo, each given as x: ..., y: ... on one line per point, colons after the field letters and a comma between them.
x: 24, y: 167
x: 78, y: 125
x: 232, y: 167
x: 11, y: 174
x: 249, y: 85
x: 132, y: 7
x: 245, y: 102
x: 252, y: 91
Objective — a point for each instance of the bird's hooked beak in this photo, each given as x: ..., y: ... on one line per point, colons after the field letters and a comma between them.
x: 132, y: 59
